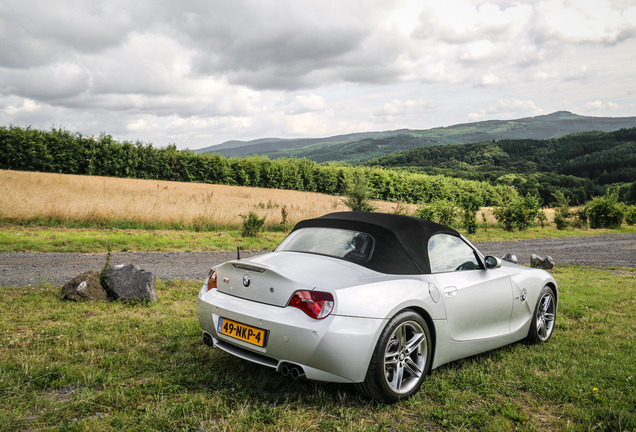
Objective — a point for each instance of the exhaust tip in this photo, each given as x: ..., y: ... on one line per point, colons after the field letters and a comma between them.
x: 207, y: 339
x: 284, y: 370
x: 297, y: 372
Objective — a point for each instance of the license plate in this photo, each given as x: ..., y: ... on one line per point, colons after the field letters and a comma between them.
x: 243, y: 332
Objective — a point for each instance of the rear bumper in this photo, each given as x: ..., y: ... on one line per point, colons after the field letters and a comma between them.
x: 334, y: 349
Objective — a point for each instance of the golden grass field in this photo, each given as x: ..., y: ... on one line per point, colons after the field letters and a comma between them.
x: 28, y: 196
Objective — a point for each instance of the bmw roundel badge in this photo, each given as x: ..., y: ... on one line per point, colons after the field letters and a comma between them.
x: 246, y: 281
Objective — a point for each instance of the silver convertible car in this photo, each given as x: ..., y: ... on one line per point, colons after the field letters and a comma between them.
x: 373, y: 299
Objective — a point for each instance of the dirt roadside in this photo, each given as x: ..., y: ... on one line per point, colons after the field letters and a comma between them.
x: 26, y: 268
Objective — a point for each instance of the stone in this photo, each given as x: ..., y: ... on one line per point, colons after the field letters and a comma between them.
x: 86, y: 286
x: 510, y: 258
x: 130, y: 282
x: 546, y: 263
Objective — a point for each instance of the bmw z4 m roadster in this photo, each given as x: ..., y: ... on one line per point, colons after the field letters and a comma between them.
x: 373, y: 299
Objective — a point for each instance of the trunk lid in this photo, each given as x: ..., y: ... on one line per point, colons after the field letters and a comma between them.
x: 274, y: 277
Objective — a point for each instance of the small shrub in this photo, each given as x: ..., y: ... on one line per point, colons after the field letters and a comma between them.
x: 400, y: 209
x: 605, y: 211
x: 425, y: 211
x: 441, y: 211
x: 630, y: 215
x: 515, y: 211
x: 580, y: 218
x: 446, y: 211
x: 542, y: 219
x: 562, y: 211
x: 358, y: 196
x: 252, y: 224
x: 470, y: 205
x: 484, y: 221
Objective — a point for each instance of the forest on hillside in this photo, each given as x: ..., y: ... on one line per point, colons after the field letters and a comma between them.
x: 580, y: 165
x: 357, y: 148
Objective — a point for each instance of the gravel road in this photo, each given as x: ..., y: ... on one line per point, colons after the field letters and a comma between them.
x: 26, y: 268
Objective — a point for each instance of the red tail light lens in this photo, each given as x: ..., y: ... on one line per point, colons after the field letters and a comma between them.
x: 212, y: 280
x: 317, y: 305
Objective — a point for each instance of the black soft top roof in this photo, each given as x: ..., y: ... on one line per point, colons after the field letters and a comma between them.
x: 401, y: 242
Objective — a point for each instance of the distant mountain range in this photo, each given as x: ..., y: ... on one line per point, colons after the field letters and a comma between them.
x: 360, y: 147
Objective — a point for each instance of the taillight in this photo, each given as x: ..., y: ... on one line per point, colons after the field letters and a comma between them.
x: 211, y: 280
x: 316, y: 304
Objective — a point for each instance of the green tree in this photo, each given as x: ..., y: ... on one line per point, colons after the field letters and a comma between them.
x: 358, y: 195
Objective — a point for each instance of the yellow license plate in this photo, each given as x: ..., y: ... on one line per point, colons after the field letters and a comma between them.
x: 241, y: 331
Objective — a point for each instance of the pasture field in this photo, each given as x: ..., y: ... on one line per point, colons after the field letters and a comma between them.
x: 43, y: 212
x: 88, y: 201
x: 133, y: 366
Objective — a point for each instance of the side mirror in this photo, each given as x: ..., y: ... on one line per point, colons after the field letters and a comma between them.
x: 492, y: 262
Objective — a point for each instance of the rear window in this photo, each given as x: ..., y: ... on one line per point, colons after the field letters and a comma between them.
x: 350, y: 245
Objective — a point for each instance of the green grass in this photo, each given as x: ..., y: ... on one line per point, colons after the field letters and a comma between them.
x: 118, y: 366
x: 35, y: 238
x: 532, y: 233
x: 13, y: 239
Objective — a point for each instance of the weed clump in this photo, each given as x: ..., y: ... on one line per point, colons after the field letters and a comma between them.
x: 252, y: 224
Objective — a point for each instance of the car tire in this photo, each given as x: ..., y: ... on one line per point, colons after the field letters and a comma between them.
x: 401, y: 359
x: 543, y: 318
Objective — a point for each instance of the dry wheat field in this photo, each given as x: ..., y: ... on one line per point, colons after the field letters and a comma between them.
x: 29, y: 196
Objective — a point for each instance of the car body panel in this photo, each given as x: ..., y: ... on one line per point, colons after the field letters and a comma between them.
x: 463, y: 290
x: 274, y: 277
x: 293, y: 336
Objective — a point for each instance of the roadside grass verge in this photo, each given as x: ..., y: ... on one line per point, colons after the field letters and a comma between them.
x: 122, y: 366
x: 40, y: 239
x: 35, y: 238
x: 533, y: 233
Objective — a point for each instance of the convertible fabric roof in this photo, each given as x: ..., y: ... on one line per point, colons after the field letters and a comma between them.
x: 401, y: 242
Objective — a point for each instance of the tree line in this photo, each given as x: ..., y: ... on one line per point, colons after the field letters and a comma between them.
x: 61, y: 151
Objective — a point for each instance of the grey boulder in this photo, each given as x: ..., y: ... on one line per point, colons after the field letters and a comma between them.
x: 546, y: 263
x: 130, y: 282
x: 86, y: 286
x: 510, y: 258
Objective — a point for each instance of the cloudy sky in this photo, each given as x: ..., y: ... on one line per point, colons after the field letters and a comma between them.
x: 200, y: 72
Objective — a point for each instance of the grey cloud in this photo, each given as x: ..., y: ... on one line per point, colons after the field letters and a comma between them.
x: 282, y: 45
x: 60, y: 81
x: 37, y: 32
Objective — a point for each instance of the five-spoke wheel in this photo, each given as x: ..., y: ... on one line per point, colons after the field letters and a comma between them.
x: 401, y: 359
x: 544, y: 317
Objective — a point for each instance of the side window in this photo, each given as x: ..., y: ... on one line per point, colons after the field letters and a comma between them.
x: 448, y: 253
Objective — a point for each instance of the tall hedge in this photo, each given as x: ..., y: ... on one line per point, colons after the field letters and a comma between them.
x: 61, y: 151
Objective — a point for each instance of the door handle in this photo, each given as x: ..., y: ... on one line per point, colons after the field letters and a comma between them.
x: 450, y: 291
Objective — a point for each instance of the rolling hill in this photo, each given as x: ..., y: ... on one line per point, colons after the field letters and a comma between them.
x: 582, y: 163
x: 356, y: 148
